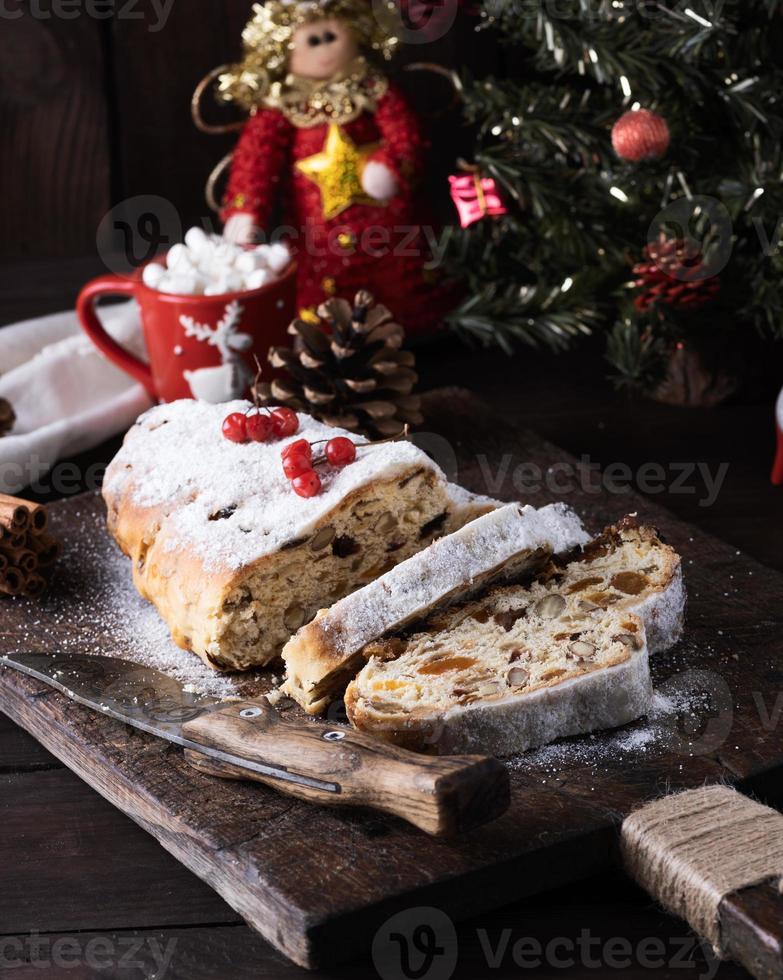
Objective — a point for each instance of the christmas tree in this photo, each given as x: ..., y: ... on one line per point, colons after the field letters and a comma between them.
x: 637, y: 154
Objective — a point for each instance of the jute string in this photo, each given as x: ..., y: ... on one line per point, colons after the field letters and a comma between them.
x: 691, y: 849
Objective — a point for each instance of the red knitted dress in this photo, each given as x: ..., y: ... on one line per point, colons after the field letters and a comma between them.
x: 367, y: 245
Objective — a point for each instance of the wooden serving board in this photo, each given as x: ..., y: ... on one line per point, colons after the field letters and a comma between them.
x: 318, y: 883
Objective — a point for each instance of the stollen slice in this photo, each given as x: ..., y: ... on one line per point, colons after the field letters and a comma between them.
x: 628, y: 567
x: 512, y: 671
x: 510, y: 543
x: 532, y: 663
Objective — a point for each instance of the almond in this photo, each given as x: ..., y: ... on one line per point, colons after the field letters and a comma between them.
x: 517, y: 677
x: 582, y: 649
x: 322, y: 539
x: 550, y: 606
x: 293, y: 618
x: 386, y: 523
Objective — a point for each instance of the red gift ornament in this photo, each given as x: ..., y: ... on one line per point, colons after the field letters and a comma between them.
x: 640, y: 135
x: 475, y: 197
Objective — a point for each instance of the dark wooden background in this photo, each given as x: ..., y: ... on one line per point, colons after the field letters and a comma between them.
x: 94, y: 112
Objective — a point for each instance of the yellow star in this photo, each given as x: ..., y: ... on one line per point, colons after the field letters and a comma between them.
x: 337, y: 170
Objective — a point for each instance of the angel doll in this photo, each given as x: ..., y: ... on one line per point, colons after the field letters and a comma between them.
x: 334, y: 154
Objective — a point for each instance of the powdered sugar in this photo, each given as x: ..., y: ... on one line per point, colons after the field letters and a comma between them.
x: 449, y: 565
x: 231, y: 503
x: 97, y: 611
x: 653, y: 735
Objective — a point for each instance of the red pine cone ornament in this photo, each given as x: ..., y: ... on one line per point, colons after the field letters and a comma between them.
x: 640, y: 135
x: 672, y: 274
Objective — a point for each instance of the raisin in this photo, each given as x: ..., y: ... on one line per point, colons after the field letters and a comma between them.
x: 509, y: 618
x: 224, y: 514
x: 344, y: 546
x: 436, y: 524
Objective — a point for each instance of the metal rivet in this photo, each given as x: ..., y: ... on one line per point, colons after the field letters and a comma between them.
x: 333, y: 736
x: 250, y: 713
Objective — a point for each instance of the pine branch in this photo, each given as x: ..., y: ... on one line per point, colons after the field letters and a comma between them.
x: 636, y: 354
x: 529, y: 315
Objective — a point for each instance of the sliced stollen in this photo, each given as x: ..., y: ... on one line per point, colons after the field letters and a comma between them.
x: 232, y: 558
x: 628, y: 567
x: 522, y: 666
x: 506, y: 677
x: 510, y: 543
x: 465, y: 506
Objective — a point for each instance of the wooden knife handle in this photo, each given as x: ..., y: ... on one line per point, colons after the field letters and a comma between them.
x: 751, y: 922
x: 335, y: 766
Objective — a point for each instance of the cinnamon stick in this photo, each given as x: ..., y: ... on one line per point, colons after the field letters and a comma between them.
x: 22, y: 558
x: 33, y: 587
x: 39, y: 518
x: 47, y: 548
x: 11, y: 581
x: 14, y: 514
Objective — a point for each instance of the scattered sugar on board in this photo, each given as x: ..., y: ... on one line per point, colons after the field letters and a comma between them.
x: 645, y: 737
x: 98, y: 611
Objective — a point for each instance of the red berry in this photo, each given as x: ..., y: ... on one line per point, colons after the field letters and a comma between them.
x: 259, y: 427
x: 296, y: 464
x: 340, y: 451
x: 235, y: 427
x: 307, y: 484
x: 284, y: 422
x: 299, y: 448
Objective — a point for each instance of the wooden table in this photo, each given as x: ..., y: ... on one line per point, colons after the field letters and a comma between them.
x: 87, y: 893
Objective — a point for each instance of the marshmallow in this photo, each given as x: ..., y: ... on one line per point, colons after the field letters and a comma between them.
x: 257, y: 279
x: 278, y: 258
x: 153, y: 274
x: 182, y: 283
x: 251, y: 261
x: 209, y: 265
x: 228, y: 282
x: 196, y: 240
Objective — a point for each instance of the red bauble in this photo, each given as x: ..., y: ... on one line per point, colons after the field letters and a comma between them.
x: 640, y: 135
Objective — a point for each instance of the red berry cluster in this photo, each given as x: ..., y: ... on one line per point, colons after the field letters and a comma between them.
x: 299, y: 467
x: 261, y: 425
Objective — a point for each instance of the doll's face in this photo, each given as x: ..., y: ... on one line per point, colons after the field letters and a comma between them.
x: 322, y: 48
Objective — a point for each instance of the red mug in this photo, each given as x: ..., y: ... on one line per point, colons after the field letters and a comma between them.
x: 198, y: 346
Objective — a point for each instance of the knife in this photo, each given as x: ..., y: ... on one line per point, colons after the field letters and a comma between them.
x: 249, y: 739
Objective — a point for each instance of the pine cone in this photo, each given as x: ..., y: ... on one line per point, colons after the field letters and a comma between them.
x: 7, y: 417
x: 672, y: 274
x: 348, y: 370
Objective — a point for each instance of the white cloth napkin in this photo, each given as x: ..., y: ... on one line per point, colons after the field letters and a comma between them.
x: 67, y: 397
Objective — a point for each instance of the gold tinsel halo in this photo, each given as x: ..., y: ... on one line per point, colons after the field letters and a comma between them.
x: 267, y: 41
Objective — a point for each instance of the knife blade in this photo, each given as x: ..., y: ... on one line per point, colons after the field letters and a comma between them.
x: 248, y: 739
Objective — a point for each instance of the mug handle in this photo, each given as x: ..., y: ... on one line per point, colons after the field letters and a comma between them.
x: 107, y: 345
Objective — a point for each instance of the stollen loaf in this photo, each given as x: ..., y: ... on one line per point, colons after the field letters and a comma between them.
x: 234, y: 561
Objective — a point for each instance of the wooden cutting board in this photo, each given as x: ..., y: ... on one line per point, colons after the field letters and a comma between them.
x: 317, y: 883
